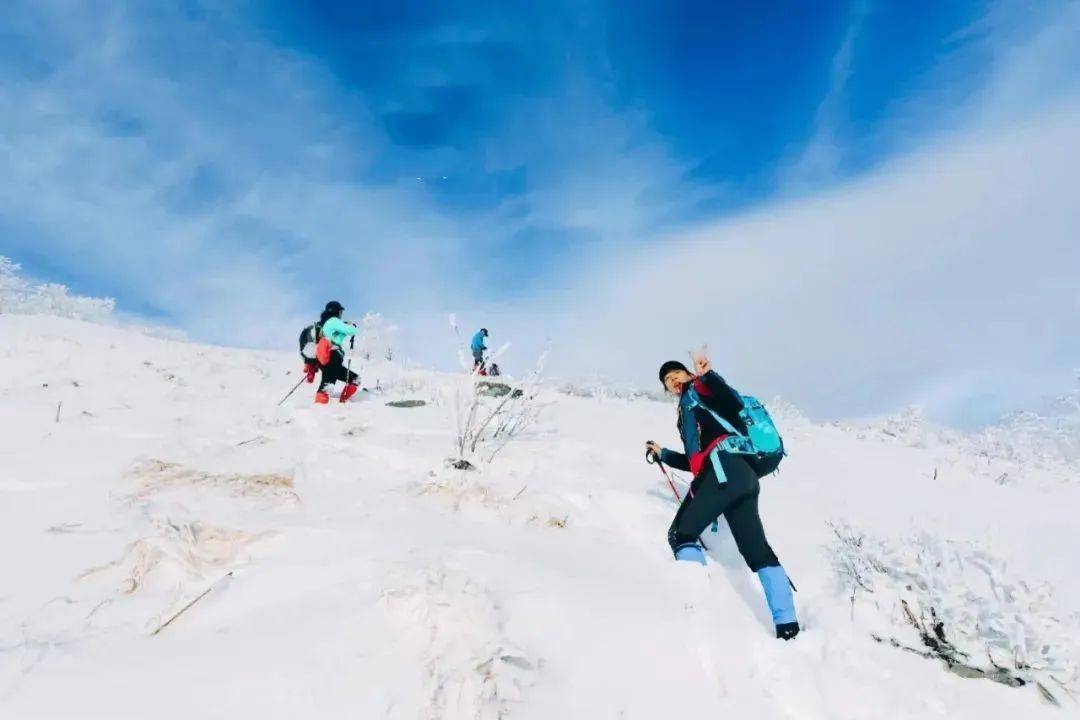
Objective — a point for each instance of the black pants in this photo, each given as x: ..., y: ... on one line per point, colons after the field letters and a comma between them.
x: 334, y: 371
x: 736, y: 500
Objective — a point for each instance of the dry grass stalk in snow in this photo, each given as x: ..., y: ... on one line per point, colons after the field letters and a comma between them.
x: 152, y: 579
x: 552, y: 521
x: 460, y: 490
x: 177, y: 554
x: 472, y: 671
x: 464, y: 491
x: 156, y: 475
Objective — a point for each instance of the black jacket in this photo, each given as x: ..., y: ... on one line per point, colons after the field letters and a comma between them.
x: 698, y: 428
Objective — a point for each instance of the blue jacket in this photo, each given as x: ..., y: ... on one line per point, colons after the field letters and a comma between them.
x: 478, y: 342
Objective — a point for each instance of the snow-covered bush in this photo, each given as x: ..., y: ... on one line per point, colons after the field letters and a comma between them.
x: 19, y: 296
x: 489, y: 413
x: 603, y: 389
x: 378, y: 338
x: 1029, y: 445
x: 1036, y: 438
x: 788, y: 417
x: 956, y: 602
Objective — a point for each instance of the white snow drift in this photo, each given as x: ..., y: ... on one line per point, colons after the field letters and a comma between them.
x: 342, y: 569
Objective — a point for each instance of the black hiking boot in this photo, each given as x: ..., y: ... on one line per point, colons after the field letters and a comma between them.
x: 786, y: 631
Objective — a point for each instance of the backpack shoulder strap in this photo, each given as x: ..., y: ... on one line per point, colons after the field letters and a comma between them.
x: 695, y: 401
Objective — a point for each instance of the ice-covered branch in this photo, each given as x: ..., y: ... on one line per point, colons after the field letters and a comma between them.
x: 488, y: 414
x: 958, y: 603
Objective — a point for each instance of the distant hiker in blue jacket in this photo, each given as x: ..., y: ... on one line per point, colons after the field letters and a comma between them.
x: 478, y: 347
x: 725, y: 482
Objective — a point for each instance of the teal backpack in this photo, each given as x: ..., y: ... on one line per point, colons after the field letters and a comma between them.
x: 762, y: 440
x: 764, y: 437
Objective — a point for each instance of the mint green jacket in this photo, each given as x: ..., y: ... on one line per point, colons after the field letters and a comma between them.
x: 337, y: 331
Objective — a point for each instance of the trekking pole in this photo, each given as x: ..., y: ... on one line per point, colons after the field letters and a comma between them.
x: 650, y: 457
x: 653, y: 459
x: 187, y: 607
x: 287, y: 396
x: 348, y: 363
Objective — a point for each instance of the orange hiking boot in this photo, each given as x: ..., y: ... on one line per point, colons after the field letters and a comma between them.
x: 348, y: 392
x: 321, y: 398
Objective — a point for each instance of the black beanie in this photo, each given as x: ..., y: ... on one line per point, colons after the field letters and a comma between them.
x: 669, y: 366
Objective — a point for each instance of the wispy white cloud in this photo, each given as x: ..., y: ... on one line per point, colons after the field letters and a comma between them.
x: 947, y: 277
x: 199, y: 170
x: 1036, y: 59
x: 943, y: 278
x: 226, y: 181
x: 177, y: 155
x: 819, y: 160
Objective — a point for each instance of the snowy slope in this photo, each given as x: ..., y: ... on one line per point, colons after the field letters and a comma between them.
x: 371, y: 581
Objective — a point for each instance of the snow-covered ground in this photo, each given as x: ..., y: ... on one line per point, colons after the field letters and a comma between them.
x: 369, y: 580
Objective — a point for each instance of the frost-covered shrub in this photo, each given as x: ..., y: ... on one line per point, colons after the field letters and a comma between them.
x: 1029, y: 437
x: 489, y: 413
x: 378, y: 338
x: 787, y: 417
x: 909, y: 427
x: 602, y: 389
x: 1043, y: 445
x: 958, y: 603
x: 19, y: 296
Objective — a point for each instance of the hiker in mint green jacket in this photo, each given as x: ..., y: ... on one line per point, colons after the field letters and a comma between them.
x: 330, y: 353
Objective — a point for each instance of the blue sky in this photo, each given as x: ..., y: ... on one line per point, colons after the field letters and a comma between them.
x: 208, y: 162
